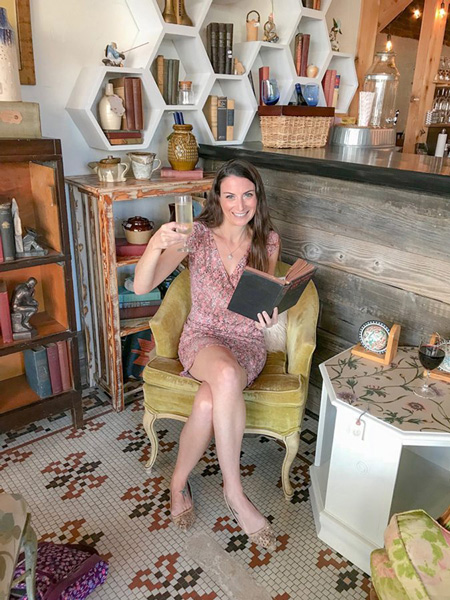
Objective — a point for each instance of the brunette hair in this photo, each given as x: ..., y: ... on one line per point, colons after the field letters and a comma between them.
x: 260, y: 224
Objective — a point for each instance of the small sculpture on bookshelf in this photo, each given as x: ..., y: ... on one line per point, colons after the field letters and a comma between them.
x: 23, y: 307
x: 252, y: 26
x: 239, y: 68
x: 334, y: 32
x: 270, y: 31
x: 31, y: 246
x: 113, y: 57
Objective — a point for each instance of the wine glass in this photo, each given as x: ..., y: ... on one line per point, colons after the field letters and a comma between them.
x: 184, y: 218
x: 431, y: 354
x: 311, y: 94
x: 270, y: 91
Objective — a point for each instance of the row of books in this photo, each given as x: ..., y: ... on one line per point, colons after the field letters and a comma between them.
x: 7, y: 238
x: 47, y: 369
x: 219, y: 112
x: 134, y: 306
x: 166, y: 72
x: 130, y: 90
x: 314, y: 4
x: 330, y: 83
x: 301, y: 52
x: 219, y: 45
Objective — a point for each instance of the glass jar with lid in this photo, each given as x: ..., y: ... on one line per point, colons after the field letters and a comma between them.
x: 185, y: 92
x: 382, y: 78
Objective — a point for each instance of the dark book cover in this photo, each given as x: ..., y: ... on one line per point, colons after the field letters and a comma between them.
x: 208, y: 42
x: 221, y: 118
x: 215, y: 46
x: 37, y: 372
x: 309, y: 3
x: 166, y: 81
x: 2, y: 258
x: 63, y: 354
x: 137, y: 104
x: 305, y: 53
x: 122, y: 133
x: 175, y: 78
x: 138, y: 312
x: 7, y: 232
x: 257, y: 291
x: 129, y: 103
x: 171, y: 62
x: 5, y: 314
x: 229, y: 48
x: 230, y: 119
x: 54, y: 368
x: 222, y: 47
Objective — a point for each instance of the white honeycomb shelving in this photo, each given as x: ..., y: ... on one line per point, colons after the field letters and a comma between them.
x: 188, y: 45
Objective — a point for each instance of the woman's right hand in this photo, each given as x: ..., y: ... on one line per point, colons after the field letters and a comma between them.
x: 167, y: 236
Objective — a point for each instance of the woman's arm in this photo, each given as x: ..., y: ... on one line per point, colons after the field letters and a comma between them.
x: 160, y: 258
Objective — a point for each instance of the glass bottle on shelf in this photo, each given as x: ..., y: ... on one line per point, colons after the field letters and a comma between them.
x: 382, y: 78
x: 185, y: 92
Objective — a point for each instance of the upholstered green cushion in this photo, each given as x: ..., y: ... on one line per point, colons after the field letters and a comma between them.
x: 384, y: 579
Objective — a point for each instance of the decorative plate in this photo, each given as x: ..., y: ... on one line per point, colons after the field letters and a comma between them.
x: 445, y: 364
x: 373, y: 336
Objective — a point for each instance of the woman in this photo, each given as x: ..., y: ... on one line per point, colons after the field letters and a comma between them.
x: 221, y: 349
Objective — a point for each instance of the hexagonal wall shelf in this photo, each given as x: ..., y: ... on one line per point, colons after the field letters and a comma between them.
x: 345, y: 67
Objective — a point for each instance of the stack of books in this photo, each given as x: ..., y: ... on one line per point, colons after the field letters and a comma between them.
x: 301, y: 52
x: 47, y: 369
x: 314, y: 4
x: 330, y: 83
x: 219, y: 45
x: 166, y: 72
x: 130, y: 90
x: 219, y: 112
x: 134, y: 306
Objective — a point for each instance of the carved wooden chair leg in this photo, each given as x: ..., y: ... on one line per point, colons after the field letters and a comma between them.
x: 30, y: 549
x: 149, y: 423
x: 291, y: 442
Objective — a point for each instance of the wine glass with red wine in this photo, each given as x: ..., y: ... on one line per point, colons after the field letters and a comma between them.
x: 431, y: 354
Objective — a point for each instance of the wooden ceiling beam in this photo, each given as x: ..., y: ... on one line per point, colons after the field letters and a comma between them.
x: 389, y: 10
x: 427, y: 62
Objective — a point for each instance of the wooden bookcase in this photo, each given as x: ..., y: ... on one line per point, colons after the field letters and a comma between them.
x: 95, y: 228
x: 31, y: 171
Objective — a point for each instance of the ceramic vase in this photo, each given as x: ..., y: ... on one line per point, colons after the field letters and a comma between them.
x: 182, y: 17
x: 182, y: 151
x: 110, y: 119
x: 9, y: 68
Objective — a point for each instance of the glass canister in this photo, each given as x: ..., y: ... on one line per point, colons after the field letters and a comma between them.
x: 185, y: 92
x: 182, y: 151
x: 382, y: 79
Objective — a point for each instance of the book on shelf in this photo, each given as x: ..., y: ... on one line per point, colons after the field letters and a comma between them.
x: 221, y: 118
x: 126, y: 141
x: 229, y: 48
x: 127, y: 296
x: 124, y: 87
x: 230, y: 119
x: 137, y: 103
x: 123, y: 248
x: 138, y: 312
x: 54, y: 368
x: 168, y: 173
x: 5, y: 314
x: 137, y: 303
x: 328, y: 83
x: 219, y: 46
x: 37, y: 371
x: 174, y: 81
x: 309, y: 3
x: 159, y: 73
x: 317, y: 4
x: 215, y: 46
x: 298, y: 52
x: 337, y: 83
x: 208, y: 42
x: 306, y: 38
x: 2, y: 258
x: 222, y: 48
x: 210, y: 110
x: 7, y: 231
x: 118, y: 134
x: 63, y: 354
x: 257, y: 291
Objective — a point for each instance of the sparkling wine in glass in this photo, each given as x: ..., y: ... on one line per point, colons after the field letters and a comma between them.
x: 431, y: 354
x: 184, y: 218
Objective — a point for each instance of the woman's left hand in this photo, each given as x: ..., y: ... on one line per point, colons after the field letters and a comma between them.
x: 265, y: 321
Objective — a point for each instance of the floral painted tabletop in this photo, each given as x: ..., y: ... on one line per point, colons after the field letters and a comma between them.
x: 386, y: 392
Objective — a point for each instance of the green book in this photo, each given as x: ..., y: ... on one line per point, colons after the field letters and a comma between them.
x: 127, y: 296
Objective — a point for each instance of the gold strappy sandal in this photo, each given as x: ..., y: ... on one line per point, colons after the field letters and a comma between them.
x: 186, y: 519
x: 264, y: 537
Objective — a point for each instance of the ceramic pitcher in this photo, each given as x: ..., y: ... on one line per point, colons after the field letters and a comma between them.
x: 143, y: 164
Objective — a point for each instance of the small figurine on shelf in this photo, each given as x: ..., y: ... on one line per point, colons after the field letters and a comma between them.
x: 23, y: 307
x: 239, y: 68
x: 334, y: 31
x: 114, y: 58
x: 270, y: 30
x: 252, y: 26
x: 31, y: 247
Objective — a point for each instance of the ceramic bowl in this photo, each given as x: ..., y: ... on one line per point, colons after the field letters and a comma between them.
x: 138, y: 237
x: 373, y: 336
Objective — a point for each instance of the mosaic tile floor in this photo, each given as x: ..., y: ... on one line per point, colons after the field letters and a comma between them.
x: 90, y: 486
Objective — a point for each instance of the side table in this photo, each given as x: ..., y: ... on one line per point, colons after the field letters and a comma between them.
x: 380, y: 450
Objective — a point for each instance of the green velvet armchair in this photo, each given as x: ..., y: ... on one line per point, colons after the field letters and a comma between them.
x: 275, y: 401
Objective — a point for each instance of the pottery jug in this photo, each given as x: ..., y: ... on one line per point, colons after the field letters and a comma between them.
x: 110, y: 109
x: 182, y: 151
x: 109, y: 169
x: 143, y: 164
x: 138, y: 230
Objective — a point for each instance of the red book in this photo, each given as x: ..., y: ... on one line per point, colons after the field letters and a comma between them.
x: 63, y: 355
x: 298, y: 52
x: 172, y: 173
x: 263, y: 74
x: 2, y: 258
x: 54, y: 368
x: 305, y: 54
x: 330, y: 91
x: 138, y: 312
x: 129, y: 103
x: 137, y: 103
x: 5, y: 314
x: 123, y: 248
x: 326, y: 85
x: 122, y: 133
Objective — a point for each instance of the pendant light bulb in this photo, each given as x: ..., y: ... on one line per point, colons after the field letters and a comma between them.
x: 389, y: 43
x: 442, y: 10
x: 416, y: 13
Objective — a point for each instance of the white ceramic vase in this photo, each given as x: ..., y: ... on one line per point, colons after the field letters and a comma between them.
x: 110, y: 110
x: 9, y: 67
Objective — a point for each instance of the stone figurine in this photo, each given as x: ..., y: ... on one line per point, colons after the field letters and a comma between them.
x: 23, y: 307
x: 114, y: 58
x: 334, y: 32
x: 31, y: 247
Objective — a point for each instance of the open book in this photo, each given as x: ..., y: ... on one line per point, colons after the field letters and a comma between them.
x: 257, y: 291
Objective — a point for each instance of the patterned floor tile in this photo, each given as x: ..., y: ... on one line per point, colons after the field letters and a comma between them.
x: 90, y: 486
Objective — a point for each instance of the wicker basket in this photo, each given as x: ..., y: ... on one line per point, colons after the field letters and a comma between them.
x: 299, y: 128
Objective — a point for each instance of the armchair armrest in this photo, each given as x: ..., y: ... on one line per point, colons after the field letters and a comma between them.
x: 301, y: 332
x: 167, y: 324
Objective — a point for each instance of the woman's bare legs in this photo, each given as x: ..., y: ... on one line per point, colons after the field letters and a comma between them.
x: 218, y: 367
x: 194, y: 440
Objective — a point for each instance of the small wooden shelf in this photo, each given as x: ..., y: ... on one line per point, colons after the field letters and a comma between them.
x: 128, y: 326
x: 33, y: 261
x: 47, y: 329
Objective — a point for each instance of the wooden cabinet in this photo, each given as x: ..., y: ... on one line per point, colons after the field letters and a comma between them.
x: 96, y: 225
x: 31, y: 171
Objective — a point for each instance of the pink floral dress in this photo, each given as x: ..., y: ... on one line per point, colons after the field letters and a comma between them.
x: 210, y: 323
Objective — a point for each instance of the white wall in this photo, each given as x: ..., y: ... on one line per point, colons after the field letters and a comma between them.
x: 347, y: 12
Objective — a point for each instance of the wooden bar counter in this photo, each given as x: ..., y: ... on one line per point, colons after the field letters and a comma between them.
x: 377, y: 225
